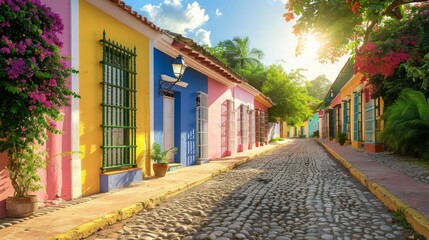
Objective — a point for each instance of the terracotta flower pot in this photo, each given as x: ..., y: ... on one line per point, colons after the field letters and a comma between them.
x: 160, y: 169
x: 18, y: 207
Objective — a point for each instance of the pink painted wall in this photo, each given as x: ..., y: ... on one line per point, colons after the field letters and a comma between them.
x: 58, y: 170
x: 218, y: 94
x: 241, y: 96
x: 260, y: 106
x: 57, y: 176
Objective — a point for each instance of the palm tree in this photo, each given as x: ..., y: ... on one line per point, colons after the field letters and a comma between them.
x: 238, y: 53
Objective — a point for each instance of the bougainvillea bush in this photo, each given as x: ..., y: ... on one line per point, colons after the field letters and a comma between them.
x: 33, y: 77
x: 396, y: 55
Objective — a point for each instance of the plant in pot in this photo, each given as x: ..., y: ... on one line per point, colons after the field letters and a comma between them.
x: 342, y: 137
x: 159, y: 158
x: 33, y: 88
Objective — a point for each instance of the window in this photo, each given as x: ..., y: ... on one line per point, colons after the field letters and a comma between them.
x: 118, y: 105
x: 252, y: 128
x: 261, y: 126
x: 202, y: 126
x: 357, y: 121
x: 231, y: 124
x: 244, y: 125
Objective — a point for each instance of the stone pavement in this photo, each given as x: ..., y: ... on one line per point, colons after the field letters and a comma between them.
x: 394, y: 189
x: 80, y: 220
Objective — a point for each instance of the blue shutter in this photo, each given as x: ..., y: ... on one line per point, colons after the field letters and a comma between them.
x: 334, y: 121
x: 345, y: 120
x: 356, y: 117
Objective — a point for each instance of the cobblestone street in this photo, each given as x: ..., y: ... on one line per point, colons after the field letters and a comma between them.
x: 295, y: 192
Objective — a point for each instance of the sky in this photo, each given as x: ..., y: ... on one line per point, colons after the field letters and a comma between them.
x: 211, y: 21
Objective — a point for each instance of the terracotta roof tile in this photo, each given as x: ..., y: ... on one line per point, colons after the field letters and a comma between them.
x: 121, y: 4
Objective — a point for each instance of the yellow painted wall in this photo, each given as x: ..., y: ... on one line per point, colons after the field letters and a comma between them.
x: 92, y: 23
x: 347, y: 90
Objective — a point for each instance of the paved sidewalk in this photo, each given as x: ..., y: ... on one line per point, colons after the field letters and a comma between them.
x: 81, y: 220
x: 394, y: 189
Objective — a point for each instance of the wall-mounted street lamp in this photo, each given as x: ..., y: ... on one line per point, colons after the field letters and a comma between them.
x: 167, y: 83
x: 331, y: 93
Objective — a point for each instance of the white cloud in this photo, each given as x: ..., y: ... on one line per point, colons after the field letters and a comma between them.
x: 171, y: 15
x: 203, y: 37
x: 218, y: 12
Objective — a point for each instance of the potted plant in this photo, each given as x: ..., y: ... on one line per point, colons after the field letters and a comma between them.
x: 342, y: 137
x: 23, y: 167
x: 33, y: 88
x: 159, y: 158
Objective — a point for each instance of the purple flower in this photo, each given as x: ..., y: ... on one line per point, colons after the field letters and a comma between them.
x: 15, y: 68
x: 5, y: 50
x: 21, y: 47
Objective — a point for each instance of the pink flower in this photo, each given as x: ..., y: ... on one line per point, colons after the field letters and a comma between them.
x: 5, y: 50
x: 52, y: 83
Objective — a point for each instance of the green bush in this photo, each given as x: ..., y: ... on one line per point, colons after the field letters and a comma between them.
x: 406, y: 128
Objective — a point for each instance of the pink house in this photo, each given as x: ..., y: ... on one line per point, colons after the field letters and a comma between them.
x: 57, y: 177
x: 233, y: 113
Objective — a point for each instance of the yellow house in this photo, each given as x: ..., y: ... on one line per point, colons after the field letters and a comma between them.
x: 115, y: 58
x: 360, y: 114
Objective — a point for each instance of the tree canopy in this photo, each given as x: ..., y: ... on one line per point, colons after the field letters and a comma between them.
x: 341, y: 25
x: 318, y: 87
x: 287, y: 90
x: 289, y: 95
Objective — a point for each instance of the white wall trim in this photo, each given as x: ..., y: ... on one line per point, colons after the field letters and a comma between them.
x: 76, y: 168
x: 151, y: 92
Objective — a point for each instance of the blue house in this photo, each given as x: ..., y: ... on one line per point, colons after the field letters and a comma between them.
x: 175, y: 109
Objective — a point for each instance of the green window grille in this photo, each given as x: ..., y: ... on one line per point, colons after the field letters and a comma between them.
x: 119, y: 105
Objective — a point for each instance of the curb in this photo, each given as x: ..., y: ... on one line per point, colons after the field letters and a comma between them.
x: 418, y: 222
x: 86, y: 229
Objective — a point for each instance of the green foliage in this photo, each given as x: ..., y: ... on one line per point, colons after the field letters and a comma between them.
x: 159, y: 156
x: 33, y: 86
x: 23, y: 166
x: 238, y: 54
x: 286, y: 90
x: 318, y: 87
x: 291, y: 98
x: 274, y: 140
x: 254, y: 75
x: 342, y: 137
x: 412, y: 32
x: 406, y: 128
x: 400, y: 219
x: 340, y: 25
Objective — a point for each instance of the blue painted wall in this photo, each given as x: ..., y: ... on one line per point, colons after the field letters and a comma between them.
x: 313, y: 124
x: 185, y: 108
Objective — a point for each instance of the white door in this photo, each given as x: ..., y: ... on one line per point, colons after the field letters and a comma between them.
x: 169, y: 125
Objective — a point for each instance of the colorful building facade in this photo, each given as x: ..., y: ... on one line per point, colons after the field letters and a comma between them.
x: 108, y: 132
x: 56, y: 178
x: 349, y: 108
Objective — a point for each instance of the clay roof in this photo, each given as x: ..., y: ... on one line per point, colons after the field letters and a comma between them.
x: 195, y: 51
x: 121, y: 4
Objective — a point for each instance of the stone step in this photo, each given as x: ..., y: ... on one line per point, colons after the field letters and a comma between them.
x: 174, y: 166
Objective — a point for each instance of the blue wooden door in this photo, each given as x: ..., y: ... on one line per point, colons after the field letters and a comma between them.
x: 356, y: 117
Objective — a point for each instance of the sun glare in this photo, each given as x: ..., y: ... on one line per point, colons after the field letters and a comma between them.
x: 312, y: 44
